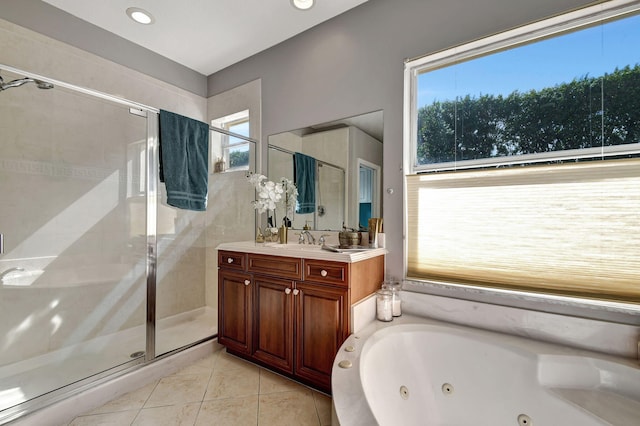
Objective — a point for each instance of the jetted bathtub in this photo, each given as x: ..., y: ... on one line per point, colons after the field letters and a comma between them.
x: 415, y: 371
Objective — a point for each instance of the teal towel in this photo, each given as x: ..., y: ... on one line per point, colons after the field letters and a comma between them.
x: 304, y: 172
x: 184, y: 160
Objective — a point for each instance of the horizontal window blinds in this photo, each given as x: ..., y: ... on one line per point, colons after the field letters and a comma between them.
x: 567, y: 228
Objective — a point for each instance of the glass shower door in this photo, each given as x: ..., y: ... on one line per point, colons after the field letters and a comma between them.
x: 330, y: 197
x: 73, y: 270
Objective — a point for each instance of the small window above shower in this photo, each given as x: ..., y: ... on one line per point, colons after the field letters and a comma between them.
x: 230, y: 143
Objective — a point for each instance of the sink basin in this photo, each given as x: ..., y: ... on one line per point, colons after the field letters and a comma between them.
x: 352, y: 249
x: 303, y: 247
x: 308, y: 247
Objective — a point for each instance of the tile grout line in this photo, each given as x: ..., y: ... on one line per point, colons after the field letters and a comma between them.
x: 144, y: 403
x: 259, y: 388
x: 315, y: 405
x: 213, y: 366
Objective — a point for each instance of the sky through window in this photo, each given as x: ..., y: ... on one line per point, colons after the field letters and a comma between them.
x: 592, y: 52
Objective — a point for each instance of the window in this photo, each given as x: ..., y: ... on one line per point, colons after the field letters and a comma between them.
x: 231, y: 149
x: 524, y: 158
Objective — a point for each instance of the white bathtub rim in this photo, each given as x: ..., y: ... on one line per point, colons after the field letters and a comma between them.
x: 599, y: 335
x: 351, y: 407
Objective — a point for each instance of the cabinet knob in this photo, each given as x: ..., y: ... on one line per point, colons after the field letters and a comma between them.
x: 295, y: 291
x: 323, y: 273
x: 287, y: 290
x: 229, y: 260
x: 247, y: 282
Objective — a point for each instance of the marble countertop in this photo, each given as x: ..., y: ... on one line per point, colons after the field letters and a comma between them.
x: 301, y: 251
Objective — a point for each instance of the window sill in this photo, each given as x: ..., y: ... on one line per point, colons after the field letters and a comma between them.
x: 604, y: 310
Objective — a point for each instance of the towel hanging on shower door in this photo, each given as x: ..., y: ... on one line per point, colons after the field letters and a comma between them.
x: 184, y: 160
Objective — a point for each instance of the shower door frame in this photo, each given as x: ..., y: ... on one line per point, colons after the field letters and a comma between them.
x: 151, y: 175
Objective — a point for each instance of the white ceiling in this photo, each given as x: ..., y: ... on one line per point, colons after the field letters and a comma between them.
x: 206, y: 35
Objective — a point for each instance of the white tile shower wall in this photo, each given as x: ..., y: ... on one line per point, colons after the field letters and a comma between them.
x: 230, y: 215
x: 180, y: 277
x: 232, y: 218
x: 85, y: 147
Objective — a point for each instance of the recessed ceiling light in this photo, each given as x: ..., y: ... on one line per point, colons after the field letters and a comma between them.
x: 302, y: 4
x: 141, y: 16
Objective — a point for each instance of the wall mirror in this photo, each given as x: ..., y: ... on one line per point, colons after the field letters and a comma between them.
x: 337, y: 167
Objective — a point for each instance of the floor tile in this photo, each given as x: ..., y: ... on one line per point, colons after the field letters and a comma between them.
x: 179, y: 389
x: 323, y: 407
x: 226, y: 361
x: 288, y: 409
x: 172, y: 415
x: 203, y: 366
x: 229, y: 412
x: 219, y: 389
x: 243, y: 380
x: 272, y: 383
x: 107, y: 419
x: 133, y: 400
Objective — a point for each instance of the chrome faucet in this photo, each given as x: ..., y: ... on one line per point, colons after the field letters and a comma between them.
x: 310, y: 238
x: 8, y: 271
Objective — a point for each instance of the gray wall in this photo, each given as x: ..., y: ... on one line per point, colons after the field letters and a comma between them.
x: 354, y: 64
x: 55, y: 23
x: 346, y: 66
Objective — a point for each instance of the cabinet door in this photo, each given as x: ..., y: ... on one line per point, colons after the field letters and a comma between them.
x: 273, y: 329
x: 235, y: 310
x: 321, y: 321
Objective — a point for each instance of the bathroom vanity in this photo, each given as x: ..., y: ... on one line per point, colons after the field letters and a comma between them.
x: 288, y: 307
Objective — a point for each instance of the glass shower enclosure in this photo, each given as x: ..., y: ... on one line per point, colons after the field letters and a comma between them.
x: 97, y: 274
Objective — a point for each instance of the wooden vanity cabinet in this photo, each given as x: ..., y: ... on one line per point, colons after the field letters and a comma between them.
x: 300, y: 311
x: 322, y: 325
x: 299, y: 327
x: 274, y: 322
x: 235, y: 303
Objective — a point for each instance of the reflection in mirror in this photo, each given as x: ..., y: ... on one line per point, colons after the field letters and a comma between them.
x: 368, y: 191
x: 337, y: 168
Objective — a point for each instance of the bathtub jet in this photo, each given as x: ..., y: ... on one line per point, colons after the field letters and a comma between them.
x: 21, y: 81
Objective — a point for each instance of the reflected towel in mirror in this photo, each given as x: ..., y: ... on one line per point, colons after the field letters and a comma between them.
x: 305, y: 179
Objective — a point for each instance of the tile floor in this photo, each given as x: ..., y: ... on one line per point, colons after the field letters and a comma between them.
x: 219, y: 389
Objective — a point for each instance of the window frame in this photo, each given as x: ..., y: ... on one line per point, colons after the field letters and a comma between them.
x: 509, y: 39
x: 601, y: 309
x: 223, y: 125
x: 228, y: 146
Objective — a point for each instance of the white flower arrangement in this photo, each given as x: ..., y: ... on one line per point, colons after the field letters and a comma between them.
x: 270, y: 193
